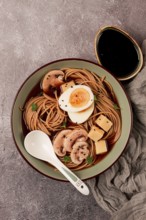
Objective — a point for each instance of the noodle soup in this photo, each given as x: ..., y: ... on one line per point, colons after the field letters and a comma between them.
x: 79, y: 111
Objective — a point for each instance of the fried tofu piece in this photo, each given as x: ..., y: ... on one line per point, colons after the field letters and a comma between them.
x: 95, y: 133
x: 67, y: 85
x: 104, y: 123
x: 101, y: 147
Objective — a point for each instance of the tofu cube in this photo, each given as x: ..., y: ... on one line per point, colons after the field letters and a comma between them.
x: 66, y: 86
x: 103, y: 122
x: 101, y: 147
x: 95, y: 133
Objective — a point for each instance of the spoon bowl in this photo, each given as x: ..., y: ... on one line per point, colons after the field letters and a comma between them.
x: 39, y: 145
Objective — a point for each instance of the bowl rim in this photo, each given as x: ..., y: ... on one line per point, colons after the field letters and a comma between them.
x: 137, y: 47
x: 52, y: 62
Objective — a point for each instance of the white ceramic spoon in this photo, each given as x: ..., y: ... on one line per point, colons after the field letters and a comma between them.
x: 39, y: 145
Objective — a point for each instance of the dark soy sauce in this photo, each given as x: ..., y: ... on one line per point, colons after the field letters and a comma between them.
x: 117, y: 53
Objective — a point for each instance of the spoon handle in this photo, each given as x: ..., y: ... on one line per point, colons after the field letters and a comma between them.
x: 76, y: 181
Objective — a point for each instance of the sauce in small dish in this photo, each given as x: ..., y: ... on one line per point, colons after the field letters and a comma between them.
x: 118, y: 52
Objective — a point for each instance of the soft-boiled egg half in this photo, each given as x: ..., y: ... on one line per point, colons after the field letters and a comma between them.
x: 78, y: 101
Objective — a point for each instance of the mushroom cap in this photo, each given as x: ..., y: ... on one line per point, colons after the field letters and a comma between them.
x: 79, y: 152
x: 52, y: 79
x: 75, y: 135
x: 58, y: 142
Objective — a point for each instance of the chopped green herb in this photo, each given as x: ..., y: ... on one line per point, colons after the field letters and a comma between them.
x: 89, y: 159
x: 95, y: 98
x: 64, y: 124
x: 34, y: 107
x: 116, y: 107
x: 66, y: 159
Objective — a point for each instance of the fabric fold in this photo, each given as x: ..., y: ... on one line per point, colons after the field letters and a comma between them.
x: 121, y: 190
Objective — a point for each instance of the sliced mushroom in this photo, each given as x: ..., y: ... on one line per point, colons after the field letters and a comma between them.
x: 58, y: 142
x: 52, y: 79
x: 79, y: 152
x: 75, y: 135
x: 81, y: 138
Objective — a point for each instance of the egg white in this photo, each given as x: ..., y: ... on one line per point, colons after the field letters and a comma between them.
x: 64, y: 99
x: 82, y: 116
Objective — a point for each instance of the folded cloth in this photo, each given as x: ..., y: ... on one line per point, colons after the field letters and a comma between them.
x: 121, y: 190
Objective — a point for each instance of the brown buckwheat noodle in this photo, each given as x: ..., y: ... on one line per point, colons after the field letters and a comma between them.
x: 49, y: 118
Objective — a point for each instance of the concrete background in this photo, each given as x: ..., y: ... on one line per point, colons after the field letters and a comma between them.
x: 33, y: 33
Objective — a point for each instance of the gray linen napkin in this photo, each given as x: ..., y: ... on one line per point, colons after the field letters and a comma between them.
x: 121, y: 190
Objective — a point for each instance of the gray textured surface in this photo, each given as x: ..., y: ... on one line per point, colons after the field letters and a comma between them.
x: 32, y: 33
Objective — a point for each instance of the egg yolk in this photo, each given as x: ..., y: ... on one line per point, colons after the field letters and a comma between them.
x: 79, y: 97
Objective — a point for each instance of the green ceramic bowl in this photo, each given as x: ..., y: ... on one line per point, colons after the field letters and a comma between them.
x: 21, y: 97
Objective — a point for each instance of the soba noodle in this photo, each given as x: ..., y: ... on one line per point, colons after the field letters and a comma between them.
x: 49, y: 118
